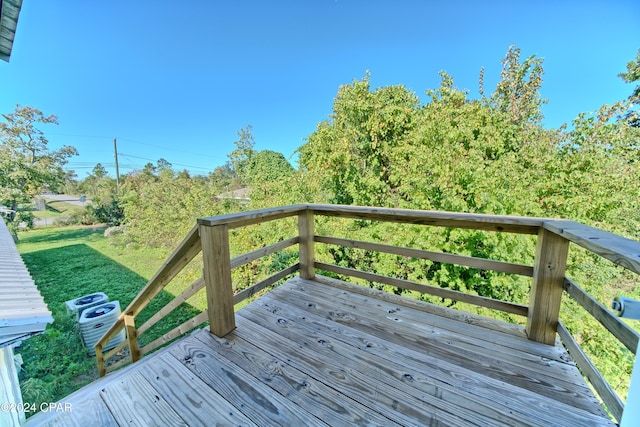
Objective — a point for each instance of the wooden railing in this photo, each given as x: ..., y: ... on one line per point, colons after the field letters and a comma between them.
x: 211, y: 235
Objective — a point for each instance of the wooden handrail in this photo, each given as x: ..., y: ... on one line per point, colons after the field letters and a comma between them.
x: 181, y: 256
x: 611, y: 322
x: 507, y: 224
x: 548, y: 272
x: 242, y: 219
x: 620, y: 250
x: 609, y: 397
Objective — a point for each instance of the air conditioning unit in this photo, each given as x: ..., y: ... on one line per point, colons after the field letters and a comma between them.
x: 95, y: 321
x: 76, y: 306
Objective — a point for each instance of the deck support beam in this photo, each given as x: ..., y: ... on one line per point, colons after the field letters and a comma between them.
x: 217, y: 276
x: 306, y: 245
x: 546, y: 289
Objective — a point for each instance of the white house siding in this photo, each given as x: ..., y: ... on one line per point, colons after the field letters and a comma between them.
x: 10, y: 396
x: 23, y: 313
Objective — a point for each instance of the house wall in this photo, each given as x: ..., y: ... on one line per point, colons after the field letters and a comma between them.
x: 10, y: 396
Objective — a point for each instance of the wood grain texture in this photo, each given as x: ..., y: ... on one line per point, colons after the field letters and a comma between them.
x: 309, y: 353
x: 613, y: 323
x: 512, y: 224
x: 480, y: 263
x: 509, y: 224
x: 304, y: 390
x: 194, y: 401
x: 357, y: 380
x: 237, y: 386
x: 100, y: 360
x: 132, y: 401
x: 448, y: 329
x: 609, y: 397
x: 439, y: 396
x: 465, y: 346
x: 91, y: 412
x: 262, y: 252
x: 172, y: 305
x: 132, y: 338
x: 254, y: 289
x: 242, y: 219
x: 217, y: 276
x: 546, y: 289
x: 622, y: 251
x: 306, y: 245
x: 359, y: 356
x: 427, y: 289
x: 445, y: 312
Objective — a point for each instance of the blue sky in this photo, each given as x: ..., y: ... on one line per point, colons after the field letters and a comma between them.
x: 177, y: 80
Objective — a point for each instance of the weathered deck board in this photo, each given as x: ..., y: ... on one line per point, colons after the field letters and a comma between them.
x: 474, y: 343
x: 360, y: 382
x: 93, y: 412
x: 309, y: 353
x: 317, y: 398
x: 194, y: 401
x: 287, y: 317
x: 133, y: 401
x: 372, y: 382
x: 236, y: 385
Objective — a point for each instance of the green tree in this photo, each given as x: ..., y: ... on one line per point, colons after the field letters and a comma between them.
x: 159, y: 212
x: 632, y: 75
x: 240, y: 158
x: 105, y: 203
x: 162, y: 164
x: 70, y: 182
x: 518, y: 92
x: 149, y: 170
x: 99, y: 171
x: 223, y: 178
x: 267, y: 166
x: 27, y: 165
x: 350, y: 153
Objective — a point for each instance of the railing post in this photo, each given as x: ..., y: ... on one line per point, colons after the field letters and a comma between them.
x: 132, y: 337
x: 216, y: 259
x: 546, y: 289
x: 306, y: 245
x: 102, y: 371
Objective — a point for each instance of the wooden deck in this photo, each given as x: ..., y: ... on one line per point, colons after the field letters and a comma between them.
x: 329, y: 353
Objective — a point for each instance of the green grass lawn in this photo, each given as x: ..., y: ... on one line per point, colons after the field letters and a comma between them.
x: 70, y: 262
x: 58, y: 210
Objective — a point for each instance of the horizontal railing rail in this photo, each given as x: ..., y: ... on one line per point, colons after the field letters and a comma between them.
x: 553, y: 237
x: 480, y: 301
x: 185, y: 252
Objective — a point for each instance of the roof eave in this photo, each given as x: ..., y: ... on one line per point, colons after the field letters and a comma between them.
x: 9, y: 14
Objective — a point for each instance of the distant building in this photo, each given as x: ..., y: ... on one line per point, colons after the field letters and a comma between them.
x: 241, y: 194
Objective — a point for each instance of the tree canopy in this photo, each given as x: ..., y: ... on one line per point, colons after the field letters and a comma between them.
x: 385, y: 147
x: 27, y: 165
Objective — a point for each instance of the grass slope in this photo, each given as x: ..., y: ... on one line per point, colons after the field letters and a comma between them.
x: 70, y: 262
x: 58, y: 209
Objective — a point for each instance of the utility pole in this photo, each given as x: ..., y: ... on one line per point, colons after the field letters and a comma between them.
x: 115, y: 154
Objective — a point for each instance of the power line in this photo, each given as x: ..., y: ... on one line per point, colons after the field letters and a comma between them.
x: 166, y: 148
x: 177, y: 164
